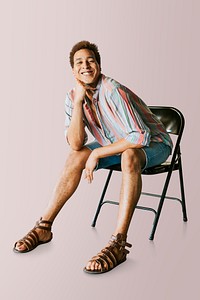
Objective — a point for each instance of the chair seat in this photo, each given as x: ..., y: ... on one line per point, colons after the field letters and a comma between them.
x: 165, y: 167
x: 150, y: 171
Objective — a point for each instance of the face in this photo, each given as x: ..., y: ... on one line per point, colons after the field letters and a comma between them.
x: 86, y: 68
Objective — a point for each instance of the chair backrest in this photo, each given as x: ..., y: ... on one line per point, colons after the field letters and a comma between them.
x: 171, y: 117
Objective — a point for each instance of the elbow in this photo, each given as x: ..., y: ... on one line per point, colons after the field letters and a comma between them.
x: 144, y: 139
x: 74, y: 146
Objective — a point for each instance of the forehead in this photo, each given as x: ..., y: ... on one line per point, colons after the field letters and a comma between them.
x: 83, y: 54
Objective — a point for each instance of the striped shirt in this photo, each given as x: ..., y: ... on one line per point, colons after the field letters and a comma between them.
x: 121, y: 114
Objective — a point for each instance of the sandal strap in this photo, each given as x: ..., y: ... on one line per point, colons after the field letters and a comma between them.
x: 107, y: 260
x: 120, y: 240
x: 110, y: 255
x: 40, y: 223
x: 101, y: 259
x: 30, y: 240
x: 103, y: 263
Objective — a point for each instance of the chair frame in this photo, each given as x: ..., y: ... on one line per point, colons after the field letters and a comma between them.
x: 175, y: 164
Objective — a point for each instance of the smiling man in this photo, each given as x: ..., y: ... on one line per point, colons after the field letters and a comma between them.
x: 124, y: 130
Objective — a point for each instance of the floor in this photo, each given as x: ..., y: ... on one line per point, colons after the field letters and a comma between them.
x: 166, y: 268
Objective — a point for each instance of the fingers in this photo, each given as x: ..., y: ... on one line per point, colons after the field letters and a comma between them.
x: 83, y: 89
x: 87, y: 87
x: 89, y: 175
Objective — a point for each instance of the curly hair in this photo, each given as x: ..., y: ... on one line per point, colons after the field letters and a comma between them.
x: 84, y: 45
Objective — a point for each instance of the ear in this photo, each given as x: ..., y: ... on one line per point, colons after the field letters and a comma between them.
x: 73, y: 72
x: 99, y: 67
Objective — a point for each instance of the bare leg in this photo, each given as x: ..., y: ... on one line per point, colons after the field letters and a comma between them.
x: 68, y: 182
x: 66, y: 186
x: 132, y: 162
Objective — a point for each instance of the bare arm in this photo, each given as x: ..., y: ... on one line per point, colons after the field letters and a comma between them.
x: 115, y: 148
x: 112, y: 149
x: 76, y: 131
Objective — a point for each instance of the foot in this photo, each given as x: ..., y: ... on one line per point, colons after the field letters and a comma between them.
x: 40, y: 234
x: 109, y: 257
x: 94, y: 265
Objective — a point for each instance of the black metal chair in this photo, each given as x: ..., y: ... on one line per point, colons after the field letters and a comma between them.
x: 173, y: 121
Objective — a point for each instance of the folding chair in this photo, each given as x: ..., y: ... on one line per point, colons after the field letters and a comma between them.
x: 173, y: 121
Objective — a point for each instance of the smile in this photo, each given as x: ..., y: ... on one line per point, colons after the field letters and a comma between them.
x: 87, y: 73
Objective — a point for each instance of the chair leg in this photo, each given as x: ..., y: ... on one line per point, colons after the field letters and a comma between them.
x: 102, y: 198
x: 156, y: 219
x: 182, y: 192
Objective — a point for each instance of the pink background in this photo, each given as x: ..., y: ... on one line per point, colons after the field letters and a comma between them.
x: 153, y: 48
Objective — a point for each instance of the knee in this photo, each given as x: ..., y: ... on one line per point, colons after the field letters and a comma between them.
x: 131, y: 161
x: 77, y: 159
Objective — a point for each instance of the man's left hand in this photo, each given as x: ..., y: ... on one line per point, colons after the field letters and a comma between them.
x: 90, y: 166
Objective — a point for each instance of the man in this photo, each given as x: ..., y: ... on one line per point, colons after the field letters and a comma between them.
x: 125, y: 131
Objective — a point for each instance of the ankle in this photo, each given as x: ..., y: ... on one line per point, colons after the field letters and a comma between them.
x: 43, y: 224
x: 120, y: 233
x: 47, y: 218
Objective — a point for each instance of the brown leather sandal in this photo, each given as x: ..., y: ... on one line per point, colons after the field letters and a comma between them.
x: 31, y: 240
x: 112, y: 255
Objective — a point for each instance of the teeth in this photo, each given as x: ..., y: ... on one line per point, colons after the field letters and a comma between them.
x: 86, y: 73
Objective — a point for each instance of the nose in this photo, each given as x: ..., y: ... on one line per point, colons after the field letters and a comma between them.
x: 86, y: 64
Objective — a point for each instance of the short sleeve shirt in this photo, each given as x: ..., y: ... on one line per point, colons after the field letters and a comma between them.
x: 121, y: 114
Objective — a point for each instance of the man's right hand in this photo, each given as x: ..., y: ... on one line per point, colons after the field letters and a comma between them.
x: 81, y: 89
x: 80, y: 92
